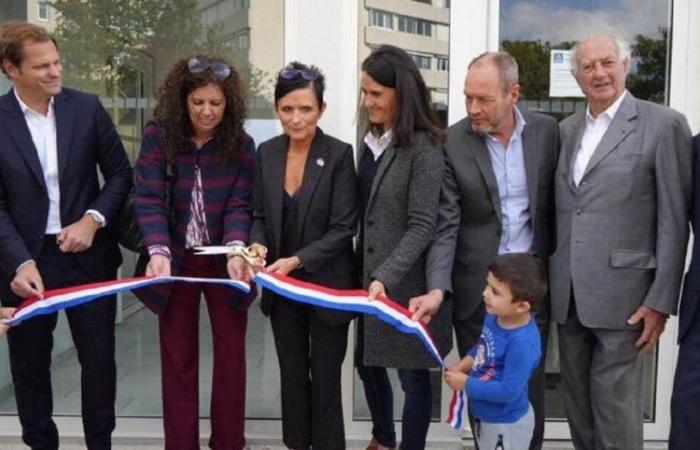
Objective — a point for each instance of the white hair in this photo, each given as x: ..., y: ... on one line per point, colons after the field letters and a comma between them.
x: 622, y: 46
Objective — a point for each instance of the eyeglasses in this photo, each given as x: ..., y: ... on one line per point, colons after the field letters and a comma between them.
x: 219, y: 68
x: 289, y: 73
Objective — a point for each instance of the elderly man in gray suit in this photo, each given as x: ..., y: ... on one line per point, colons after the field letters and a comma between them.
x: 623, y: 192
x: 497, y: 197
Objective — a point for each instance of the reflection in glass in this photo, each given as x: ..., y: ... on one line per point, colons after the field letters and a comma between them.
x: 529, y: 30
x: 122, y: 54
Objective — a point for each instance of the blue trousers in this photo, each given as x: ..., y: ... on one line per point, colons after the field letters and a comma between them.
x: 415, y: 418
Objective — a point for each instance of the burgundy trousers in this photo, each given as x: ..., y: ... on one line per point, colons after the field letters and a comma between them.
x: 179, y: 350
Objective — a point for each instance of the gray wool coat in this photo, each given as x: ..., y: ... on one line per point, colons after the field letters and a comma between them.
x: 398, y: 224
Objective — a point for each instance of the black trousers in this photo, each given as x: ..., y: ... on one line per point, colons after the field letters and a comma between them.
x: 30, y: 345
x: 468, y: 332
x: 310, y: 354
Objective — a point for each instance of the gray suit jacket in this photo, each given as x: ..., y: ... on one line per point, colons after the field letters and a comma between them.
x: 398, y: 224
x: 622, y: 234
x: 469, y: 226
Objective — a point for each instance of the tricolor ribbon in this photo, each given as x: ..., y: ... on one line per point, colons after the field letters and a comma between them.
x: 383, y: 308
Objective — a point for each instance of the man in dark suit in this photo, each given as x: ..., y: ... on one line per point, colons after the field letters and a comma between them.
x: 685, y: 402
x: 623, y: 191
x: 497, y: 198
x: 55, y: 229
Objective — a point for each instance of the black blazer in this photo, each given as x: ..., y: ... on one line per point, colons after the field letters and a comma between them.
x: 86, y: 140
x: 327, y: 215
x: 691, y: 286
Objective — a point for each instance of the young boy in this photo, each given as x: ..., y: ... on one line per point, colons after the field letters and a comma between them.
x: 5, y: 313
x: 496, y: 371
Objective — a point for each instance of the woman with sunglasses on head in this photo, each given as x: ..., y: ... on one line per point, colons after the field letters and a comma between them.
x: 399, y: 178
x: 198, y: 132
x: 304, y: 213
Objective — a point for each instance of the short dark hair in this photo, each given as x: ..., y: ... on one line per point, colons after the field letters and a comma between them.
x: 13, y: 35
x: 392, y: 67
x: 284, y: 86
x: 525, y: 276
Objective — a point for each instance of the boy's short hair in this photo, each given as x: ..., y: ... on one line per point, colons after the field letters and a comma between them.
x: 525, y: 276
x: 13, y: 36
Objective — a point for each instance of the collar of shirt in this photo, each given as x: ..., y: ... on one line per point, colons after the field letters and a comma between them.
x: 608, y: 114
x: 26, y: 109
x: 377, y: 144
x: 517, y: 131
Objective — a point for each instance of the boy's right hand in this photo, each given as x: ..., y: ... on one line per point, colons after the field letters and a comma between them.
x: 455, y: 379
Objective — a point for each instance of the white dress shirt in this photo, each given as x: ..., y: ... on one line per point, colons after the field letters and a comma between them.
x: 592, y: 135
x: 43, y: 130
x: 377, y: 144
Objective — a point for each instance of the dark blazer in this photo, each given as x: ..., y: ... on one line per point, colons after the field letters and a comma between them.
x: 327, y: 214
x: 227, y: 191
x: 470, y: 211
x: 691, y: 286
x: 86, y: 139
x: 398, y: 225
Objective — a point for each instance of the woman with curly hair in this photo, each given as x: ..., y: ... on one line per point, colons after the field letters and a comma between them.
x: 198, y: 134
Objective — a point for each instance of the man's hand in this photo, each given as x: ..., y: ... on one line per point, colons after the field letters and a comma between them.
x: 158, y: 266
x: 455, y: 379
x: 78, y: 236
x: 28, y: 282
x: 426, y: 305
x: 654, y: 323
x: 239, y: 269
x: 376, y: 288
x: 284, y: 265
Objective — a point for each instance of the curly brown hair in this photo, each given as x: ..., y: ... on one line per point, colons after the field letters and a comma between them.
x: 173, y: 116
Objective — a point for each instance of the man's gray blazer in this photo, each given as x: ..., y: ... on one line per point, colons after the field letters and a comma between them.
x: 470, y: 209
x: 622, y: 233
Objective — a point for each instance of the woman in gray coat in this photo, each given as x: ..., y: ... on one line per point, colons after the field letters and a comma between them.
x: 399, y: 178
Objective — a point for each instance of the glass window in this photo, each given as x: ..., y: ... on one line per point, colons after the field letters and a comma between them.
x: 43, y: 11
x: 415, y: 26
x: 530, y: 31
x: 381, y: 19
x: 443, y: 63
x: 123, y: 58
x: 422, y: 61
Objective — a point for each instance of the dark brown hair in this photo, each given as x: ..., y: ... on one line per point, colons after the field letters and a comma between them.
x: 525, y: 276
x: 394, y: 68
x: 13, y: 36
x: 173, y: 116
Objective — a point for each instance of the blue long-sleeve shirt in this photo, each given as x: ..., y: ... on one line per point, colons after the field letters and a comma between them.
x: 504, y: 360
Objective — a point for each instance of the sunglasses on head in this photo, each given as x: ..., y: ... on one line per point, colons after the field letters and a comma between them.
x: 289, y: 73
x: 219, y: 68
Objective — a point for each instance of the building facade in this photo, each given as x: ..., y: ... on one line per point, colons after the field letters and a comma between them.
x: 336, y: 35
